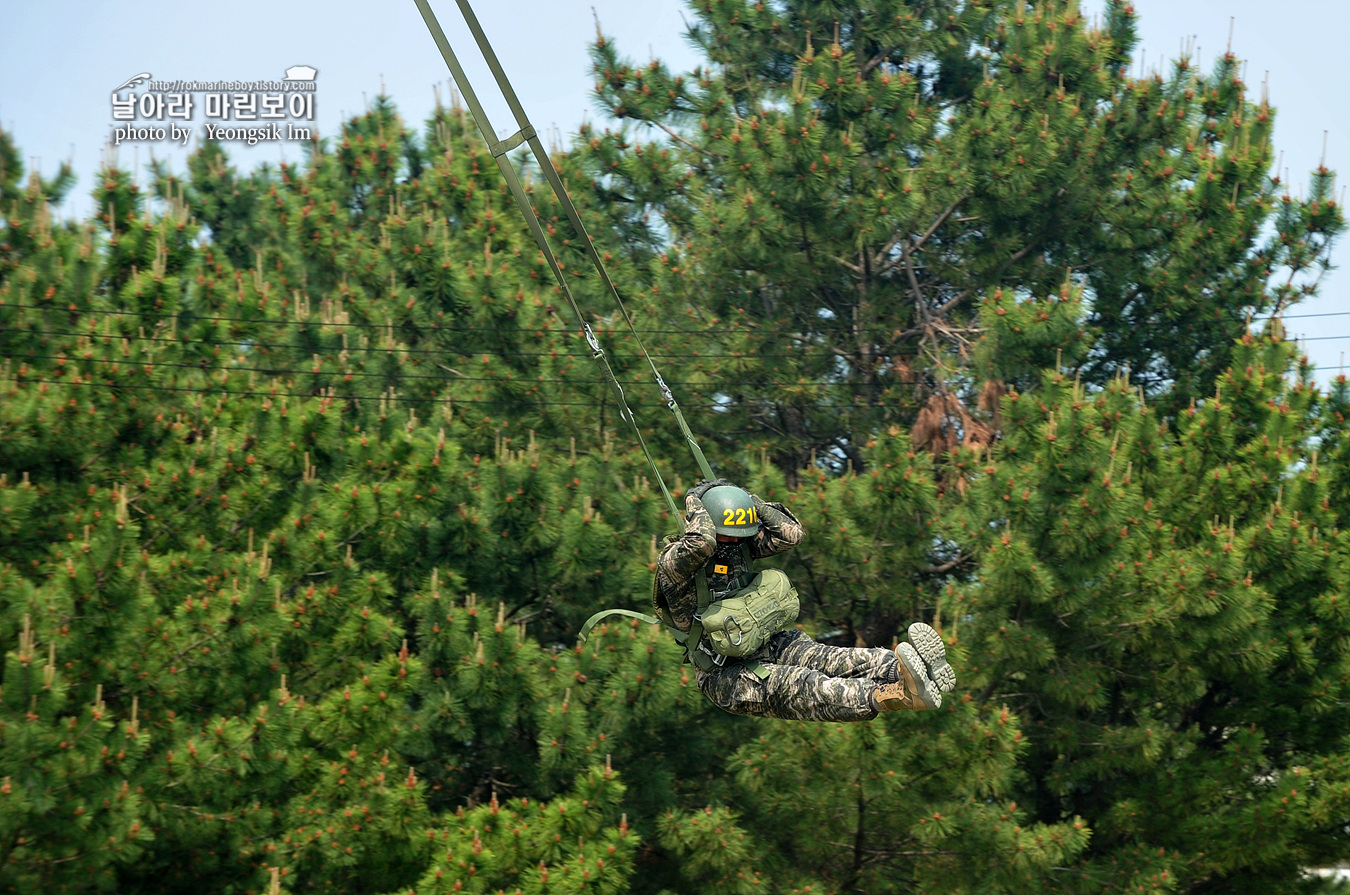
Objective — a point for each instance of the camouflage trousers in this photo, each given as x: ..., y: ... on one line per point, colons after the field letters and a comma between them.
x: 808, y: 681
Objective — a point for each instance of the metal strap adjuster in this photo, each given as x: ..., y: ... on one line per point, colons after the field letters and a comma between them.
x: 511, y: 142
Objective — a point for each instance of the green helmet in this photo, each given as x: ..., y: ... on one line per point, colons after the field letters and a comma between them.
x: 732, y: 510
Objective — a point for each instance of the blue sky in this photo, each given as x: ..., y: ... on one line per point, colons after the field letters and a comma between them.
x: 60, y: 59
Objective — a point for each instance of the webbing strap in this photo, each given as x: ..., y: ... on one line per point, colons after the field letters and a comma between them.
x: 605, y: 613
x: 704, y: 661
x: 698, y: 657
x: 546, y: 166
x: 527, y: 135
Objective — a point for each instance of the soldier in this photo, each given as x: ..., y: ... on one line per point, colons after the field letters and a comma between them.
x: 791, y: 676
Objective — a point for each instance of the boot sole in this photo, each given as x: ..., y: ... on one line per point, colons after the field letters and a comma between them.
x: 928, y: 644
x: 928, y: 691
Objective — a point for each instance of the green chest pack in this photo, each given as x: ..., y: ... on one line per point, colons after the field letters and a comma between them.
x: 757, y: 606
x: 741, y: 623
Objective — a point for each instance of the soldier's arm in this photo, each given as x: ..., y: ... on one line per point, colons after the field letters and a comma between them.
x: 682, y: 558
x: 779, y: 530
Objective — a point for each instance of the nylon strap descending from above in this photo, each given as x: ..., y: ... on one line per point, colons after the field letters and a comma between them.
x: 527, y: 135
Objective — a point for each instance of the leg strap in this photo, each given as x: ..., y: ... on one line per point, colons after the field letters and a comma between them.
x: 605, y: 613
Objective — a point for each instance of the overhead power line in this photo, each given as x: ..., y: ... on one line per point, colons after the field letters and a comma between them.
x: 1305, y: 316
x: 451, y: 379
x: 270, y: 321
x: 438, y: 327
x: 694, y: 354
x: 441, y: 352
x: 270, y: 393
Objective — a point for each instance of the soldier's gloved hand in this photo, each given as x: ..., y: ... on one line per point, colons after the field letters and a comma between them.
x: 705, y: 486
x: 698, y: 522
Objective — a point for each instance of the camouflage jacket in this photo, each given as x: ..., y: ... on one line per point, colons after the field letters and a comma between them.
x: 676, y: 592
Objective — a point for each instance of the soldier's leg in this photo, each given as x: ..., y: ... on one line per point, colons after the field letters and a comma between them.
x: 791, y: 693
x: 793, y: 647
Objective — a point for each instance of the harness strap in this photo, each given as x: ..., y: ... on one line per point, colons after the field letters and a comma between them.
x: 698, y: 657
x: 527, y: 135
x: 744, y: 579
x: 605, y: 613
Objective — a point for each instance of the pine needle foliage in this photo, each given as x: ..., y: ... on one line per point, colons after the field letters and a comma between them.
x: 307, y: 481
x: 848, y: 182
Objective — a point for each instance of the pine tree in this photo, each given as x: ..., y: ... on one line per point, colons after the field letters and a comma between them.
x: 841, y: 184
x: 214, y: 643
x: 947, y: 224
x: 297, y: 523
x: 1159, y: 599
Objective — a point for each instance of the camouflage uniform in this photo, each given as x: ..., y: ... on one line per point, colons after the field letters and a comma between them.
x: 807, y: 681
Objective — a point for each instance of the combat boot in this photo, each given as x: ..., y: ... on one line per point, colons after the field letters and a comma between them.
x: 915, y: 690
x: 928, y: 644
